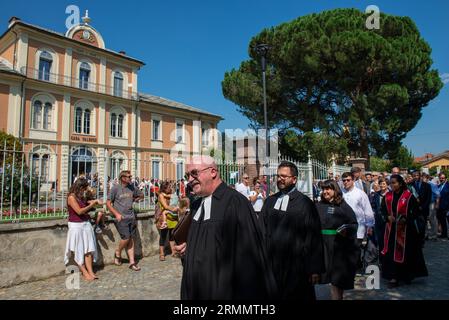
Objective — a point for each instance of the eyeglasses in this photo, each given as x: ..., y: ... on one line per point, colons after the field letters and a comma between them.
x: 126, y: 176
x: 282, y: 177
x: 195, y: 172
x: 346, y: 180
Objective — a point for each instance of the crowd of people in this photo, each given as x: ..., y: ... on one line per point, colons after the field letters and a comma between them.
x: 148, y: 186
x: 245, y: 241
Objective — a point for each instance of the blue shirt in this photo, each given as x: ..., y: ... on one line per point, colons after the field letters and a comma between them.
x: 435, y: 192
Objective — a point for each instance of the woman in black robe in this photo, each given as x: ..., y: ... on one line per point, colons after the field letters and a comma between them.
x: 339, y: 229
x: 403, y: 259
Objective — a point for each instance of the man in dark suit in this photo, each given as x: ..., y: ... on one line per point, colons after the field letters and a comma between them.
x: 443, y: 208
x: 424, y: 191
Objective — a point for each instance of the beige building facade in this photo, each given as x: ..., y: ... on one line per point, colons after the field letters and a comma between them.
x: 74, y: 103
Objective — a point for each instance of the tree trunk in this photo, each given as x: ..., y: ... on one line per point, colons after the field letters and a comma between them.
x: 364, y: 147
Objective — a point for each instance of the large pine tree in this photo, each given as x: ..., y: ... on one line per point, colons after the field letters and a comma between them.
x: 328, y: 73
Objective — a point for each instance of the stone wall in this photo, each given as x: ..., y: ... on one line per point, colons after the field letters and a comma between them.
x: 32, y: 251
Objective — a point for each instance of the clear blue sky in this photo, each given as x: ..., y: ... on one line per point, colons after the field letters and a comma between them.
x: 188, y: 45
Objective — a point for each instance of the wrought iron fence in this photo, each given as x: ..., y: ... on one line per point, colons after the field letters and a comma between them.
x: 35, y: 179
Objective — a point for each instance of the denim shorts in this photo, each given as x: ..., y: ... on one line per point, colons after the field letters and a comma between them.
x: 127, y: 227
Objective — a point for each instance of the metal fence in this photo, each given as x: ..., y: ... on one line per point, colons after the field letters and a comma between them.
x: 35, y: 180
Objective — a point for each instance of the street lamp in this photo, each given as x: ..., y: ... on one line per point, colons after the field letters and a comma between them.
x: 262, y: 50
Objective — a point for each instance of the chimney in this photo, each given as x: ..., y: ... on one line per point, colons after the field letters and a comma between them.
x: 123, y: 53
x: 12, y: 21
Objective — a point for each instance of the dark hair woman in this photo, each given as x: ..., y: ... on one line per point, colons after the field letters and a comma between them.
x: 341, y: 251
x: 81, y: 237
x: 169, y: 218
x: 403, y: 259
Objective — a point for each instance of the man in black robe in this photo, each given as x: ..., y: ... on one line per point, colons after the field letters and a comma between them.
x: 225, y: 256
x: 294, y: 240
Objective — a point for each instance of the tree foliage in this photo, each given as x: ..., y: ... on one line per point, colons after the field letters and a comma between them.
x: 320, y: 145
x: 328, y: 73
x: 15, y: 177
x: 404, y: 159
x: 379, y: 164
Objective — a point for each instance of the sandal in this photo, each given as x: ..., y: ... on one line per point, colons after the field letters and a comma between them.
x: 161, y: 258
x: 119, y: 259
x: 134, y: 267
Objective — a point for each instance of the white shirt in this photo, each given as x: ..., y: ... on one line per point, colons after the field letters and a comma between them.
x: 207, y: 203
x: 246, y: 191
x: 258, y: 204
x: 359, y: 202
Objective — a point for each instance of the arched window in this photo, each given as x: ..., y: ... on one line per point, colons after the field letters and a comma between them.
x: 117, y: 164
x: 45, y: 62
x: 113, y: 125
x: 43, y: 111
x: 118, y: 84
x: 40, y: 166
x: 83, y: 162
x: 84, y: 118
x: 37, y: 115
x: 118, y: 123
x: 84, y: 75
x: 78, y: 119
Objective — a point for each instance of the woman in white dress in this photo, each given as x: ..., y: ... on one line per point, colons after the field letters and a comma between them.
x: 81, y: 237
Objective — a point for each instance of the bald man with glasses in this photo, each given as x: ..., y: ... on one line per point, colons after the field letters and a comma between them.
x: 224, y: 256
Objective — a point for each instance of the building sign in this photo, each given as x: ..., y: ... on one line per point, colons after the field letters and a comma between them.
x: 84, y: 139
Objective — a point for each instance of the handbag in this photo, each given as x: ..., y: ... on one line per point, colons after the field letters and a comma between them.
x: 157, y: 216
x: 181, y: 231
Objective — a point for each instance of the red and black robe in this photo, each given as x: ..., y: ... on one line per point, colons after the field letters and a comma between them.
x: 402, y: 256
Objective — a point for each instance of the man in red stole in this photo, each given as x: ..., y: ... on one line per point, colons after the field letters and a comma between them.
x: 402, y: 257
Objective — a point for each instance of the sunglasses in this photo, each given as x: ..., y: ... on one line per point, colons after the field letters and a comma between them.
x: 346, y: 180
x: 195, y: 172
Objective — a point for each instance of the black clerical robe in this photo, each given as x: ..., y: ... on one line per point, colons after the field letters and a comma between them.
x: 341, y: 251
x: 225, y: 256
x: 295, y: 244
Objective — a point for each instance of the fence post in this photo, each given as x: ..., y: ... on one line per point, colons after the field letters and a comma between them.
x: 310, y: 176
x: 105, y: 176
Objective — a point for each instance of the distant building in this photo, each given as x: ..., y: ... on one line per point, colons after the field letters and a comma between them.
x: 439, y: 161
x: 425, y: 157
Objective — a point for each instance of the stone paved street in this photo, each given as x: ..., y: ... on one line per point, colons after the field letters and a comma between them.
x: 161, y: 280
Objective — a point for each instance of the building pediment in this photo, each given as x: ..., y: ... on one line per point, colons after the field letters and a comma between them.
x: 85, y: 33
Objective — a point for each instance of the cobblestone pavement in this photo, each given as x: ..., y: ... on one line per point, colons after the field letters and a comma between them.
x: 161, y: 280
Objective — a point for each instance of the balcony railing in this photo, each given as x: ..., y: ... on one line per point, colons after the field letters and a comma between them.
x: 77, y: 83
